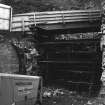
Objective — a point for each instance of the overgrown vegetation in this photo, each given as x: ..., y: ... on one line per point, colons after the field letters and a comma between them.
x: 22, y: 6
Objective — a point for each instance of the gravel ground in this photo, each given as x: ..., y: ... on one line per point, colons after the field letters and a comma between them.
x: 61, y: 96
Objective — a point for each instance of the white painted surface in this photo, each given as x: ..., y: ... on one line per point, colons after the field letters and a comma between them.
x: 5, y: 17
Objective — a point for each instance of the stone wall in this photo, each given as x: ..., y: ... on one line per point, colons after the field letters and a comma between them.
x: 8, y: 58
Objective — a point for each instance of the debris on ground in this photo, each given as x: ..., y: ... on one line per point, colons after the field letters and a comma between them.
x: 52, y: 92
x: 60, y: 96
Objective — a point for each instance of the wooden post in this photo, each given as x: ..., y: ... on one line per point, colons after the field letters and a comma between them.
x: 34, y: 19
x: 10, y: 27
x: 23, y: 26
x: 63, y: 21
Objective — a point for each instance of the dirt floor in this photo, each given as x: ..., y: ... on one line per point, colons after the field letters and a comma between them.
x: 61, y: 96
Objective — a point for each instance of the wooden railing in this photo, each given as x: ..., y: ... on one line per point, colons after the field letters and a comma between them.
x: 21, y: 22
